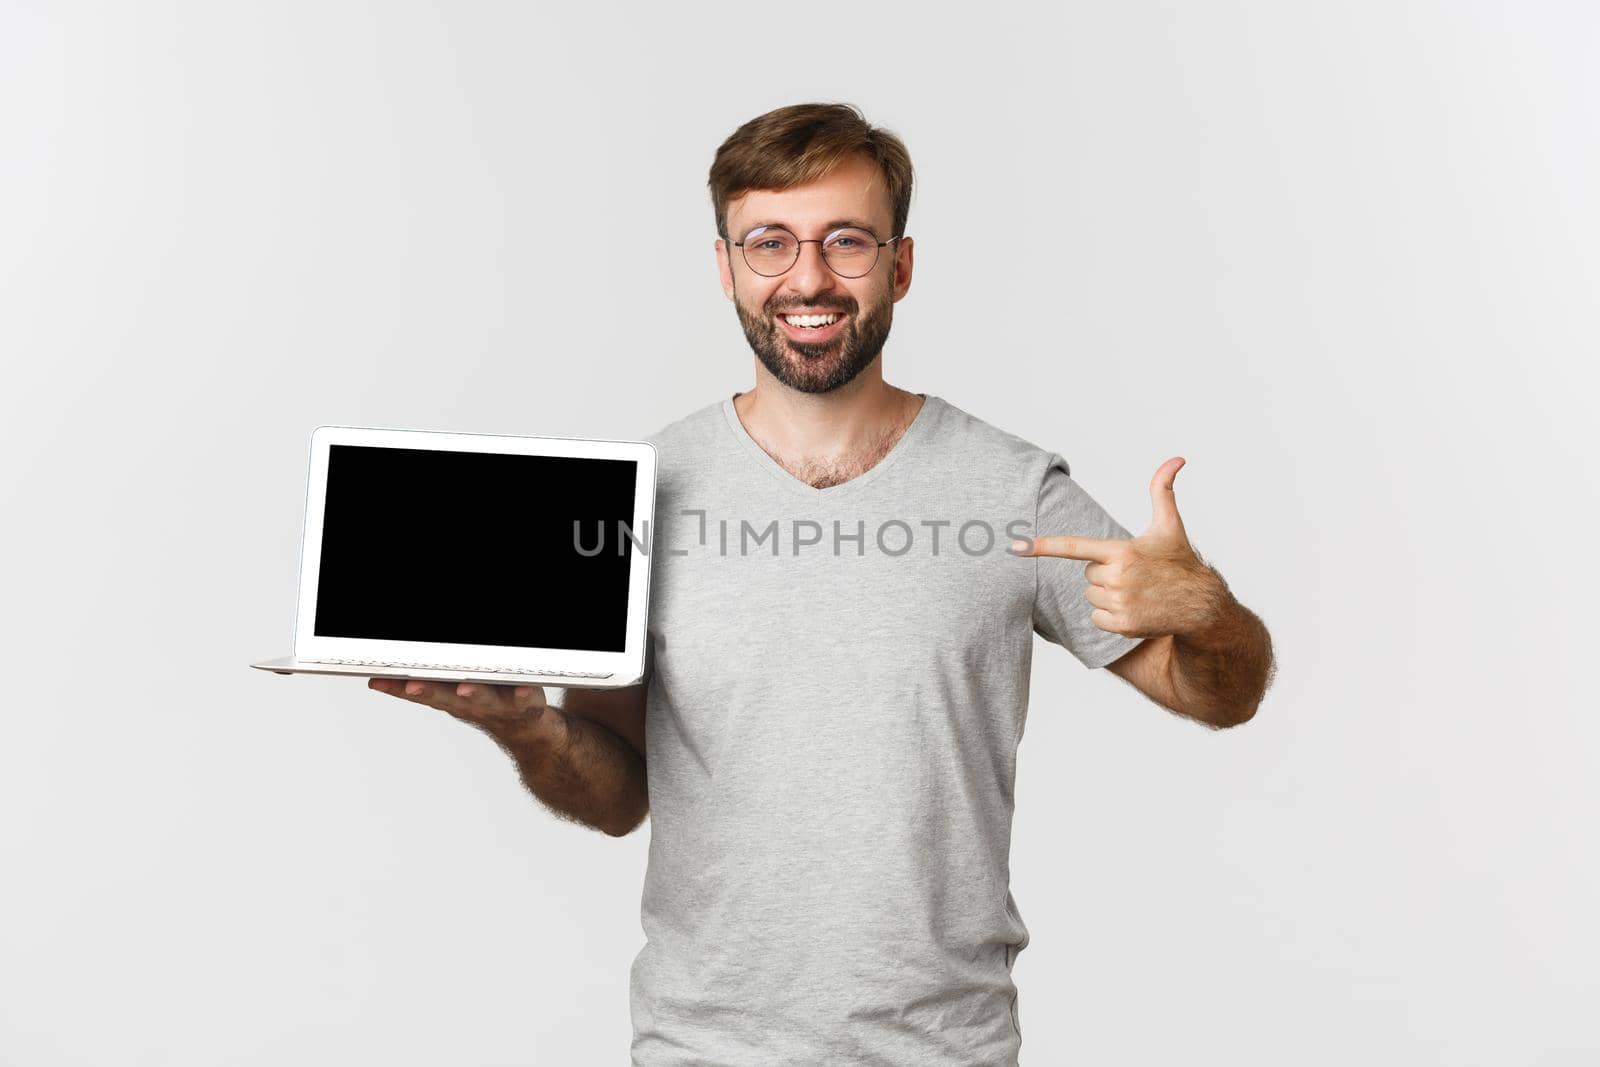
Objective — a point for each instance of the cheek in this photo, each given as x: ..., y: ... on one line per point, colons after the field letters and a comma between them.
x: 752, y: 307
x: 874, y: 300
x: 755, y: 296
x: 756, y: 304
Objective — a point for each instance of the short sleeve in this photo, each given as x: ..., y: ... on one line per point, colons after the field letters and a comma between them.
x: 1060, y: 610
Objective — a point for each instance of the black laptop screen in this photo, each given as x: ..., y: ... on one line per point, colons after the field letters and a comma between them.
x: 474, y: 548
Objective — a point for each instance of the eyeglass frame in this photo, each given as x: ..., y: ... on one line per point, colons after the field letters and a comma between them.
x: 815, y: 241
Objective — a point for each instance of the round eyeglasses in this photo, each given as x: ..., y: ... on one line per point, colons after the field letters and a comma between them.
x: 850, y: 252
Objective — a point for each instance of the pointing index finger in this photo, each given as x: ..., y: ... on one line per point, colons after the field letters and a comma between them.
x: 1065, y: 547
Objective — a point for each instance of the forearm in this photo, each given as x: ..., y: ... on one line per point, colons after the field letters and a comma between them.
x: 580, y: 770
x: 1222, y: 669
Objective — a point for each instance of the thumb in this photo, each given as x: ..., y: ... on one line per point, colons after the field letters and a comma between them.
x: 1163, y: 500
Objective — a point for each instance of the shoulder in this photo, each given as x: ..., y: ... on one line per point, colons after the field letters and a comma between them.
x: 984, y: 446
x: 683, y: 438
x: 686, y: 427
x: 688, y: 449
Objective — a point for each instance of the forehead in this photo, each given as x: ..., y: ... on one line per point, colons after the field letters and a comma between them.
x: 852, y: 190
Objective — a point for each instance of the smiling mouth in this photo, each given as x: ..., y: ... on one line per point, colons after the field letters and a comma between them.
x: 815, y: 327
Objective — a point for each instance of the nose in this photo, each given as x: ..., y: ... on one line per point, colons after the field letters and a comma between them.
x: 810, y: 274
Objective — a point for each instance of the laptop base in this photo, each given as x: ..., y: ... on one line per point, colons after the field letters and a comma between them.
x: 292, y: 665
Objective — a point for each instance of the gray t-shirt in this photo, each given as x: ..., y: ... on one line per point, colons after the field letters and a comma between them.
x: 838, y: 679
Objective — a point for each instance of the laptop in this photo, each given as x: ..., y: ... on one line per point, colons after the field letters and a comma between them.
x: 474, y: 557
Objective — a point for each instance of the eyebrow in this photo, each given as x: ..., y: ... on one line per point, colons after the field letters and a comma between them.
x: 834, y: 225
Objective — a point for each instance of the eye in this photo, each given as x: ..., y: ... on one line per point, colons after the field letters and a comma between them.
x: 852, y: 242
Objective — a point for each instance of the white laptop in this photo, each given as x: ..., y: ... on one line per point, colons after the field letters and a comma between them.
x: 474, y: 557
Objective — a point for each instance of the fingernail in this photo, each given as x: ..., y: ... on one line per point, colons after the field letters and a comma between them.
x: 413, y: 688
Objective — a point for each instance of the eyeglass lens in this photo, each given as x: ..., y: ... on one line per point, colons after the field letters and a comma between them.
x: 771, y: 250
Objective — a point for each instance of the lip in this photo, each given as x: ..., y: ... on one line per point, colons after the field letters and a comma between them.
x: 821, y: 335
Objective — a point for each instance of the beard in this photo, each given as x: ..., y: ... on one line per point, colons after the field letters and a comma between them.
x: 818, y: 368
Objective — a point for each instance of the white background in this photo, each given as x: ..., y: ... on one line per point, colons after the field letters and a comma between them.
x: 1339, y: 256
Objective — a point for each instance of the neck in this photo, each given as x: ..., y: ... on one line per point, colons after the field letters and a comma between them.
x: 846, y: 421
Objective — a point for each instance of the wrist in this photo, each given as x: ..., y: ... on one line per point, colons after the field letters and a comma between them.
x: 1214, y: 611
x: 537, y: 732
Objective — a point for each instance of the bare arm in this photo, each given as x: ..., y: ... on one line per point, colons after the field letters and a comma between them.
x: 1215, y: 672
x: 580, y: 759
x: 1204, y: 654
x: 1220, y: 671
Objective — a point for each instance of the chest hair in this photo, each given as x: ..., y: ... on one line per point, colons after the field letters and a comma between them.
x: 822, y: 473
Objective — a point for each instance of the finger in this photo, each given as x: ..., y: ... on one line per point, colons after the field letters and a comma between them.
x: 498, y: 701
x: 1106, y: 621
x: 477, y: 702
x: 1163, y: 499
x: 477, y: 694
x: 498, y: 696
x: 1098, y: 573
x: 441, y: 695
x: 445, y: 697
x: 1102, y: 598
x: 1101, y: 551
x: 529, y: 697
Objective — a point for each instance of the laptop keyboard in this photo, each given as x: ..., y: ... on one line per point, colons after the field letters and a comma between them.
x: 480, y: 669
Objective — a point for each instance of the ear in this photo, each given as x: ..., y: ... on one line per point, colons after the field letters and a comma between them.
x: 904, y: 251
x: 724, y: 267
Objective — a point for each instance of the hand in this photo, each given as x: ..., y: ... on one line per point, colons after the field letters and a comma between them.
x: 1148, y: 586
x: 499, y: 709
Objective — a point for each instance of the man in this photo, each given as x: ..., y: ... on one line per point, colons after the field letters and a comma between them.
x: 840, y: 642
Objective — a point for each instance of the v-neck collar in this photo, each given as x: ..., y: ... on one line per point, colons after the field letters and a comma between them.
x: 918, y: 429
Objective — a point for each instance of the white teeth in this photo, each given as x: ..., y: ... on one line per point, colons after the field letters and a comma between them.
x: 811, y: 320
